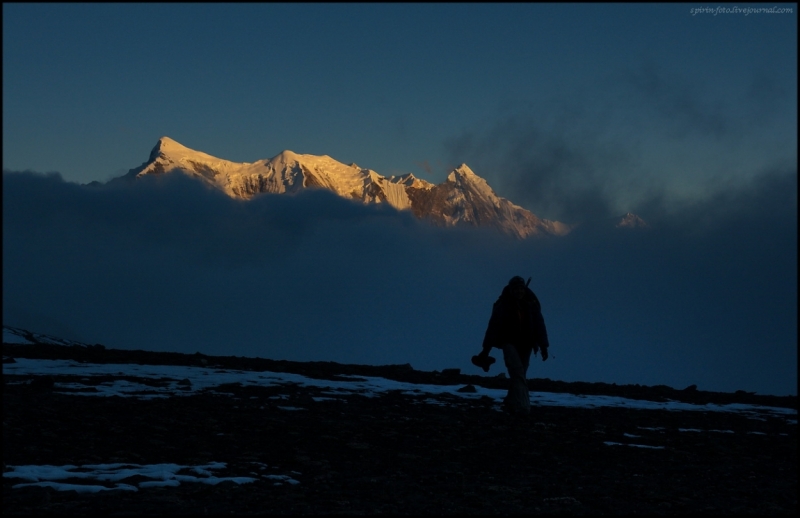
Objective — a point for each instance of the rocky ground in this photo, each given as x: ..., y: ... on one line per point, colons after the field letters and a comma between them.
x: 395, y: 453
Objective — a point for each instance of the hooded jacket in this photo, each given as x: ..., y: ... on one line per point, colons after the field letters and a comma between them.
x: 518, y: 322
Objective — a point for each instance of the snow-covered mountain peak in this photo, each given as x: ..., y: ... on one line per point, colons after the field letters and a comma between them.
x: 287, y: 154
x: 161, y: 146
x: 464, y: 198
x: 464, y: 178
x: 313, y: 162
x: 285, y: 157
x: 171, y: 151
x: 464, y: 173
x: 465, y: 170
x: 167, y: 144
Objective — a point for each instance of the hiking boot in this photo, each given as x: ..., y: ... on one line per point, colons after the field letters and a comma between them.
x: 483, y: 361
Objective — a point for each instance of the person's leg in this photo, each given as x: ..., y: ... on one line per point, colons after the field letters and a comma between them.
x: 518, y: 399
x: 525, y: 358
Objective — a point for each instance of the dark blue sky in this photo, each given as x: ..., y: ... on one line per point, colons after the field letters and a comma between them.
x: 577, y: 112
x: 639, y: 97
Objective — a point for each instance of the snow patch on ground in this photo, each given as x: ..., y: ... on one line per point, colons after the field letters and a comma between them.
x: 173, y: 382
x: 162, y: 475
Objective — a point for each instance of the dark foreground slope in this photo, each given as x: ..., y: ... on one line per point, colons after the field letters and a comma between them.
x: 395, y: 453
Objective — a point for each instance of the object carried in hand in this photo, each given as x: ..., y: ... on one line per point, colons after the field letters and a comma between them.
x: 483, y: 361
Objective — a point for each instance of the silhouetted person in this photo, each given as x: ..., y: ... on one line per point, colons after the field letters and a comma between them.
x: 517, y: 327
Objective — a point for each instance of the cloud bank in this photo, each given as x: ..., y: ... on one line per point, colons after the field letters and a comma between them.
x: 639, y: 138
x: 708, y: 297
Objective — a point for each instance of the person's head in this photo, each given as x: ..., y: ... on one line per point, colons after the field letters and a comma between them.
x: 517, y: 286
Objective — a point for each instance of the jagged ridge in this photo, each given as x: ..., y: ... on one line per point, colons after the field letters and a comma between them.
x: 463, y: 198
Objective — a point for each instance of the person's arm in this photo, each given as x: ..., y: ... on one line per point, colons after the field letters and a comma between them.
x: 490, y: 337
x: 541, y: 334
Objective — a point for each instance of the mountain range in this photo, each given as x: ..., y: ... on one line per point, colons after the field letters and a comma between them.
x: 464, y: 198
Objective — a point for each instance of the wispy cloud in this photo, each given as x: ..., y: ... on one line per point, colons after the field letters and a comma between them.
x: 679, y: 103
x: 557, y: 172
x: 640, y: 137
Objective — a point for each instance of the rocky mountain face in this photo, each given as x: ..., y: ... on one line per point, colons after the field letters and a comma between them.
x: 463, y: 198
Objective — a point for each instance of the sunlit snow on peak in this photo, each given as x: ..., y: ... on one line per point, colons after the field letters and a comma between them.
x: 464, y: 198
